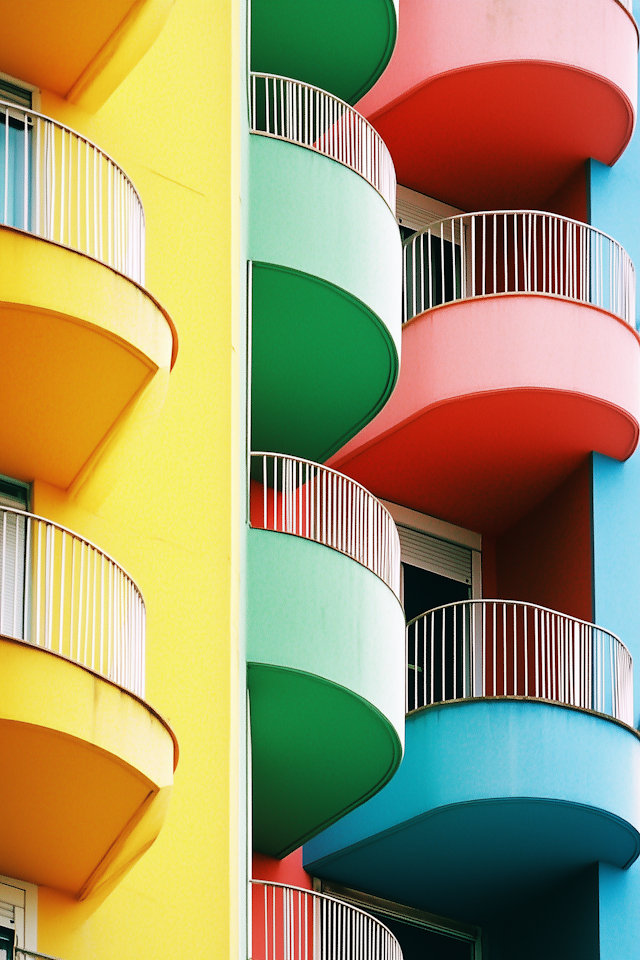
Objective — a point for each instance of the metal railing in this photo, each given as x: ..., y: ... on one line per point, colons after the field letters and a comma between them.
x: 500, y: 648
x: 521, y: 251
x: 291, y: 495
x: 58, y: 185
x: 289, y: 923
x: 60, y: 592
x: 290, y: 110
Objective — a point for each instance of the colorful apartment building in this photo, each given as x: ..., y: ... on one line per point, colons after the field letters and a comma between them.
x: 319, y: 499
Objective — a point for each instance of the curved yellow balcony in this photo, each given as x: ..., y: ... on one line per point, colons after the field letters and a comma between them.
x: 88, y: 765
x: 81, y: 337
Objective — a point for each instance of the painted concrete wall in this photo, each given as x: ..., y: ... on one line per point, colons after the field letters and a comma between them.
x: 167, y: 498
x: 614, y: 199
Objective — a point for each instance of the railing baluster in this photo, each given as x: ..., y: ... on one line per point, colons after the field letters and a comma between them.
x: 570, y: 663
x: 572, y: 260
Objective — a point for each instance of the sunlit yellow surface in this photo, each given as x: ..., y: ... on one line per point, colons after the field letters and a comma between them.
x: 83, y: 762
x: 79, y: 49
x: 79, y: 343
x: 166, y: 499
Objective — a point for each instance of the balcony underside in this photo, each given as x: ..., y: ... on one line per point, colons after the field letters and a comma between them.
x: 325, y: 303
x: 503, y: 116
x: 497, y: 402
x: 341, y: 46
x: 517, y: 133
x: 78, y: 49
x: 75, y: 356
x: 88, y: 772
x: 323, y: 365
x: 493, y: 799
x: 325, y: 638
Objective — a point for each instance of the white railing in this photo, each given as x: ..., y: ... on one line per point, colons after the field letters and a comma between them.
x: 295, y: 111
x: 500, y: 648
x: 290, y: 495
x: 521, y: 251
x: 60, y: 592
x: 289, y: 923
x: 58, y: 185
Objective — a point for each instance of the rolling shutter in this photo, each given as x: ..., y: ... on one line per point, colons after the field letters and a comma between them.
x: 439, y: 556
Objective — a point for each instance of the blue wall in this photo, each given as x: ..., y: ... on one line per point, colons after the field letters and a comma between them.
x: 614, y: 205
x: 615, y: 208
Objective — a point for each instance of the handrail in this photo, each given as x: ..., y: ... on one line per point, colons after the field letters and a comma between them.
x: 60, y: 592
x: 310, y: 117
x: 506, y: 648
x: 58, y: 185
x: 516, y: 251
x: 290, y: 923
x: 292, y: 495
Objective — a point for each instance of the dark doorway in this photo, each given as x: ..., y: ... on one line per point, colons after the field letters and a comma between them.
x: 424, y: 590
x: 419, y: 943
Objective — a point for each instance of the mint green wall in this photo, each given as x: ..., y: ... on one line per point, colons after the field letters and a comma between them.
x: 313, y: 609
x: 315, y: 215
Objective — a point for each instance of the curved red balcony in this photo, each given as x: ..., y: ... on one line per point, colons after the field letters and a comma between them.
x: 519, y: 358
x: 487, y: 104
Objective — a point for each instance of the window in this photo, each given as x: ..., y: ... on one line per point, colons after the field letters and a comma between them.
x: 14, y: 496
x: 16, y: 152
x: 18, y: 916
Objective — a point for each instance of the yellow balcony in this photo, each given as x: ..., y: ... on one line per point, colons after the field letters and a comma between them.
x: 81, y: 337
x: 88, y: 764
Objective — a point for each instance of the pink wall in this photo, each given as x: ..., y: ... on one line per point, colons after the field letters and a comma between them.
x: 437, y: 37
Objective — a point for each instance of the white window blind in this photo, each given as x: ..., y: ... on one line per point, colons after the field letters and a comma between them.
x: 439, y: 556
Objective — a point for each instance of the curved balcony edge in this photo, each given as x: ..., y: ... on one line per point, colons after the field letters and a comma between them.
x: 344, y: 52
x: 325, y: 633
x: 92, y: 770
x: 75, y: 356
x: 482, y: 378
x: 504, y: 794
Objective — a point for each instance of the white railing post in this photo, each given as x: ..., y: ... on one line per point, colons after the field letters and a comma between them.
x: 516, y: 649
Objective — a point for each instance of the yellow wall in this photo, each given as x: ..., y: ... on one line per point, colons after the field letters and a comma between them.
x: 167, y: 499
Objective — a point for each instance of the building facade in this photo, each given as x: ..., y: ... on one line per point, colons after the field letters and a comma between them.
x: 319, y: 491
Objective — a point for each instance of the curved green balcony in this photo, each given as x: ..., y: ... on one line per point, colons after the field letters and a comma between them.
x: 339, y: 45
x: 325, y: 649
x: 326, y: 270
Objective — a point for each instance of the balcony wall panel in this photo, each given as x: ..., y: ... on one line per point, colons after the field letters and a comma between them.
x: 488, y: 104
x: 326, y: 680
x: 493, y: 798
x: 499, y: 399
x: 326, y: 303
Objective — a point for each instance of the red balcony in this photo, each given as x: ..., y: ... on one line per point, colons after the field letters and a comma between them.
x: 519, y: 358
x: 487, y: 104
